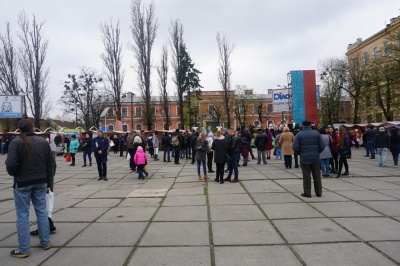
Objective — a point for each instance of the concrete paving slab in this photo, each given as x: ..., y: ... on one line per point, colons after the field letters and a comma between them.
x: 6, y: 229
x: 245, y: 233
x: 128, y: 214
x: 340, y: 185
x: 365, y: 195
x: 76, y: 194
x: 372, y: 229
x: 327, y: 196
x: 267, y: 255
x: 182, y: 213
x: 98, y: 203
x: 262, y: 186
x: 312, y: 231
x: 90, y: 256
x: 79, y: 214
x: 262, y: 198
x: 109, y: 234
x: 344, y: 209
x: 289, y: 211
x: 105, y: 194
x: 215, y: 188
x: 230, y: 199
x: 147, y: 193
x: 373, y: 183
x: 37, y: 255
x: 195, y: 200
x: 395, y: 193
x: 171, y: 256
x: 391, y: 208
x: 140, y: 202
x: 389, y: 248
x: 74, y: 181
x: 176, y: 234
x: 186, y: 191
x: 236, y: 213
x: 341, y: 254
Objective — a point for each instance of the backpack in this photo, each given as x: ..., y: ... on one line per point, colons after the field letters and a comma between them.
x: 175, y: 141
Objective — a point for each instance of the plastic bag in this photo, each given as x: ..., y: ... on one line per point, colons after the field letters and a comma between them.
x: 128, y: 157
x: 49, y: 203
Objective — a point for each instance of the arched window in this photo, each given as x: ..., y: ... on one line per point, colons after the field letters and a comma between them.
x: 124, y: 127
x: 138, y: 127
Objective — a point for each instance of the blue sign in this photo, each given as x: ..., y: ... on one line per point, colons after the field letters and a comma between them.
x: 281, y: 96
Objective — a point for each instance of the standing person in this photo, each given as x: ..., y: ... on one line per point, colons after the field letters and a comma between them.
x: 73, y: 148
x: 296, y: 155
x: 121, y: 141
x: 278, y: 146
x: 129, y: 145
x: 244, y: 151
x: 29, y: 161
x: 364, y: 139
x: 348, y: 155
x: 395, y: 146
x: 100, y: 148
x: 210, y: 154
x: 309, y: 144
x: 166, y: 143
x: 249, y: 137
x: 116, y: 144
x: 356, y: 137
x: 286, y: 141
x: 233, y: 152
x: 177, y: 143
x: 193, y: 142
x: 57, y: 139
x: 326, y: 154
x: 140, y: 160
x: 150, y: 145
x: 344, y: 143
x: 369, y: 137
x: 382, y: 143
x: 269, y: 146
x: 188, y: 138
x: 261, y: 142
x: 87, y: 149
x: 201, y: 148
x: 156, y: 145
x: 334, y: 161
x: 220, y: 149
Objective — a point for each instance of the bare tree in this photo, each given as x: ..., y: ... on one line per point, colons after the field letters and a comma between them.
x: 225, y: 71
x: 112, y: 60
x: 8, y: 64
x: 33, y: 54
x: 144, y: 27
x: 242, y: 104
x: 162, y: 71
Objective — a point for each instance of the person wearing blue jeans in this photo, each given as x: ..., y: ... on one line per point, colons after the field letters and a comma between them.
x: 371, y: 149
x: 326, y: 154
x: 234, y: 153
x: 30, y: 162
x: 100, y: 145
x: 381, y: 144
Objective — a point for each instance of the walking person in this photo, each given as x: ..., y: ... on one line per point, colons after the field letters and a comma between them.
x: 382, y: 143
x: 73, y: 148
x: 326, y: 154
x: 87, y: 150
x: 156, y: 145
x: 201, y: 148
x: 100, y: 146
x: 219, y: 147
x: 343, y: 147
x: 286, y: 141
x: 233, y: 152
x: 140, y: 161
x: 29, y: 161
x: 334, y: 161
x: 150, y: 145
x: 121, y: 142
x: 395, y: 146
x: 210, y: 154
x: 309, y: 144
x: 278, y: 146
x: 166, y: 143
x: 261, y: 142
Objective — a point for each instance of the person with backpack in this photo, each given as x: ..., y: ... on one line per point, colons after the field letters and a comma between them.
x: 121, y: 141
x: 177, y: 143
x: 166, y: 143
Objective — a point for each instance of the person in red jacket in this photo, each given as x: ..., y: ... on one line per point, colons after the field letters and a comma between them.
x: 334, y: 162
x: 244, y: 151
x: 140, y: 160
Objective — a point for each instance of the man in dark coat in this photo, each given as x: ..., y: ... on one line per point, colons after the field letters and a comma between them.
x: 381, y: 144
x: 309, y: 144
x: 261, y: 142
x: 166, y: 142
x: 369, y: 137
x: 195, y: 136
x: 234, y: 153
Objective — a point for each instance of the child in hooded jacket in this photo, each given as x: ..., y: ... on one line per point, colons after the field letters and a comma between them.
x: 140, y: 160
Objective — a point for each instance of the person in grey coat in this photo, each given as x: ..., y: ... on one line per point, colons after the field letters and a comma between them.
x: 309, y: 144
x: 156, y: 145
x: 326, y: 154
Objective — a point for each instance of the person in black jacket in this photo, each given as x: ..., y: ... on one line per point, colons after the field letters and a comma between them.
x: 233, y: 152
x: 30, y: 162
x: 193, y: 142
x: 219, y: 147
x: 382, y: 143
x: 87, y: 150
x: 369, y: 137
x: 177, y: 148
x: 261, y: 142
x: 100, y: 146
x: 166, y: 143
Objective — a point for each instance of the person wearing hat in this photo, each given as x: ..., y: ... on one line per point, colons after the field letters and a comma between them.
x: 100, y: 146
x: 382, y: 143
x: 73, y: 148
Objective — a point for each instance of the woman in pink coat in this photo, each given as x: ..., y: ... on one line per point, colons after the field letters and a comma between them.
x: 140, y: 160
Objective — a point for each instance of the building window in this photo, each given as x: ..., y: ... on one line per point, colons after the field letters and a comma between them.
x: 124, y: 127
x: 153, y: 110
x: 341, y: 109
x: 153, y: 127
x: 166, y: 111
x: 138, y: 127
x: 256, y: 108
x: 124, y: 112
x: 375, y: 52
x: 177, y: 110
x: 365, y: 58
x: 211, y: 109
x: 178, y: 125
x: 110, y: 112
x: 270, y: 108
x: 385, y: 48
x: 138, y: 111
x: 355, y: 63
x: 111, y: 127
x: 165, y: 126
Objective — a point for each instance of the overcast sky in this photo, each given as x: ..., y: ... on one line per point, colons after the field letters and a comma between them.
x: 270, y: 37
